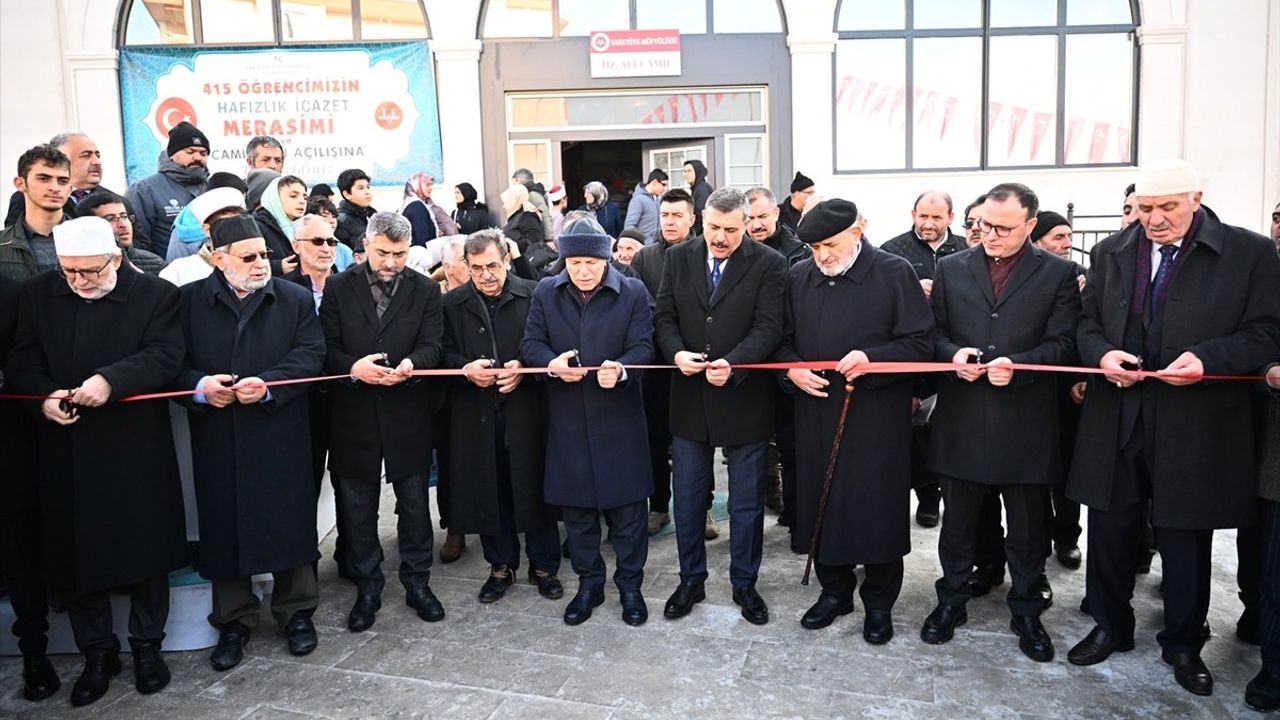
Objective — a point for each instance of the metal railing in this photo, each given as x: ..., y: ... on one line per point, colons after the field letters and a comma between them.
x: 1087, y: 231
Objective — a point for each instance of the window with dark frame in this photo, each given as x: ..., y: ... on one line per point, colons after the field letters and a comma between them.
x: 936, y: 85
x: 513, y: 19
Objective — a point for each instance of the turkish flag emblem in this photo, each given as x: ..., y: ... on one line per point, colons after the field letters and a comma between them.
x: 173, y: 111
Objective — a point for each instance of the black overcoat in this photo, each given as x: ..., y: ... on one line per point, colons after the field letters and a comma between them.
x: 373, y: 423
x: 110, y: 499
x: 1002, y: 435
x: 742, y: 323
x: 470, y: 333
x: 876, y: 307
x: 1223, y: 306
x: 254, y: 484
x: 597, y: 442
x: 17, y: 430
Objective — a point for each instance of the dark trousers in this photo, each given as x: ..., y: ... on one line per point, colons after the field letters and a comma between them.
x: 1185, y: 559
x: 294, y: 593
x: 784, y: 439
x: 880, y: 587
x: 1063, y: 516
x: 20, y: 564
x: 657, y: 409
x: 989, y: 550
x: 542, y: 544
x: 1249, y: 542
x: 630, y: 525
x: 1061, y: 520
x: 93, y: 626
x: 692, y: 478
x: 440, y: 439
x: 320, y: 405
x: 924, y: 480
x: 360, y: 498
x: 1269, y: 596
x: 1024, y: 545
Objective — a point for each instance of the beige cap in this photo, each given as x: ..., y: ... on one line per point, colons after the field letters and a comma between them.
x: 1166, y: 177
x: 211, y: 201
x: 84, y: 237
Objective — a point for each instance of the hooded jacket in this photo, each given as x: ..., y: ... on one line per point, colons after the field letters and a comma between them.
x: 700, y: 190
x: 157, y: 200
x: 471, y: 214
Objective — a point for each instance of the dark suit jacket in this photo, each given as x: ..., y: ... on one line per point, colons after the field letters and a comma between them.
x: 1223, y: 306
x: 1002, y: 435
x: 370, y: 422
x: 742, y: 323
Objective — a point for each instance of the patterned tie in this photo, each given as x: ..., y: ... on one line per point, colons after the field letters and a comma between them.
x: 1160, y: 285
x: 715, y: 275
x: 78, y: 195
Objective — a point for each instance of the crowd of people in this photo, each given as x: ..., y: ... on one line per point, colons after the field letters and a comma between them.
x: 232, y: 295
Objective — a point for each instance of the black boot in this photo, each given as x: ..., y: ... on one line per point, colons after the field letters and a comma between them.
x: 99, y: 668
x: 150, y: 674
x: 39, y: 678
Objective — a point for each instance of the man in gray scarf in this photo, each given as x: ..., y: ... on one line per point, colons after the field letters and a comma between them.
x: 182, y: 174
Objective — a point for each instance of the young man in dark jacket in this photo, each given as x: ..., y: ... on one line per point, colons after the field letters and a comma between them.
x: 355, y: 209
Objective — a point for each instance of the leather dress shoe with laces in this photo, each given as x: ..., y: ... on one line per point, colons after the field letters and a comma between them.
x: 426, y: 604
x: 877, y: 627
x: 1190, y: 671
x: 753, y: 606
x: 1069, y: 556
x: 99, y: 668
x: 301, y: 634
x: 634, y: 610
x: 579, y: 608
x: 363, y: 612
x: 683, y: 599
x: 825, y: 611
x: 941, y: 624
x: 39, y: 679
x: 500, y: 578
x: 549, y: 585
x: 1262, y: 694
x: 1033, y: 640
x: 229, y: 651
x: 1096, y: 647
x: 984, y: 578
x: 150, y: 673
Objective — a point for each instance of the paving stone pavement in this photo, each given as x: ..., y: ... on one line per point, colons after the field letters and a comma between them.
x: 517, y: 659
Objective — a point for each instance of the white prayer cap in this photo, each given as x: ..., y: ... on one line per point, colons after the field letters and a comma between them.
x: 84, y: 237
x: 1166, y: 177
x: 214, y: 200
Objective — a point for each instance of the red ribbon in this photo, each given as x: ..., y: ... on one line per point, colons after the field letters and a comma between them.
x: 875, y: 368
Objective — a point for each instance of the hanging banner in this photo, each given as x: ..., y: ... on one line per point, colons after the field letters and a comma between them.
x: 332, y: 107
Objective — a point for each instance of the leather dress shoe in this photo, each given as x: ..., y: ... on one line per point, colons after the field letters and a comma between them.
x: 150, y: 673
x: 877, y: 627
x: 425, y: 602
x: 1033, y: 640
x: 454, y: 546
x: 549, y: 585
x: 825, y: 611
x: 634, y: 611
x: 657, y: 521
x: 683, y: 599
x: 985, y: 577
x: 941, y: 624
x: 363, y: 612
x: 927, y: 514
x: 1045, y: 591
x: 1190, y: 671
x: 229, y: 651
x: 753, y: 606
x: 1096, y: 647
x: 500, y: 578
x: 39, y: 679
x: 301, y: 634
x: 1262, y: 694
x: 579, y: 608
x: 99, y: 668
x: 1069, y: 557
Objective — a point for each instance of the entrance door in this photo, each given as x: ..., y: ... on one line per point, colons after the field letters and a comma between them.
x: 670, y: 155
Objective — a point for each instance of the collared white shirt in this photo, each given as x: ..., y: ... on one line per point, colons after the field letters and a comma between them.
x: 1155, y: 256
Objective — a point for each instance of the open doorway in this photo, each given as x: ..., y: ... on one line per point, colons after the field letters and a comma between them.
x: 616, y: 163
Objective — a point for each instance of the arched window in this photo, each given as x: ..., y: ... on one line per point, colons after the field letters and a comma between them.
x: 270, y: 22
x: 979, y: 84
x: 579, y: 18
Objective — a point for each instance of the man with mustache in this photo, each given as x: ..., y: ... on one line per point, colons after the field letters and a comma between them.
x: 86, y: 172
x: 253, y: 474
x: 158, y: 199
x: 44, y: 180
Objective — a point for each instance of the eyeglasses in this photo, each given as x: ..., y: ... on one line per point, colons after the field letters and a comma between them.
x: 85, y: 274
x: 113, y: 219
x: 250, y: 258
x: 968, y: 224
x: 330, y: 241
x: 1001, y: 231
x: 480, y: 270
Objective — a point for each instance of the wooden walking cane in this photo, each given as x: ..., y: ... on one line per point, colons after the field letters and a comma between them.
x: 826, y: 482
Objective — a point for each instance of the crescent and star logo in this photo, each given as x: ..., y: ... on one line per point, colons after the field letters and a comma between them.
x: 173, y: 111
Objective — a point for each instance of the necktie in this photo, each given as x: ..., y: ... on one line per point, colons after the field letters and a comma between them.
x: 78, y: 195
x: 715, y: 275
x: 1160, y: 285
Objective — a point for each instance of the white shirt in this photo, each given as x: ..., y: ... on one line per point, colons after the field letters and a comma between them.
x: 711, y: 263
x: 1155, y: 256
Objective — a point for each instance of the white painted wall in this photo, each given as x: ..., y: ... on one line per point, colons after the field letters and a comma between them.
x: 1210, y: 91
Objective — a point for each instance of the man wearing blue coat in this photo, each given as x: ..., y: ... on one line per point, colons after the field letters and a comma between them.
x: 589, y: 315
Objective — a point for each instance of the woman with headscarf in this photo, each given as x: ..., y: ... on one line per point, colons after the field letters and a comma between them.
x: 597, y: 201
x: 524, y: 225
x: 427, y: 219
x: 471, y: 214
